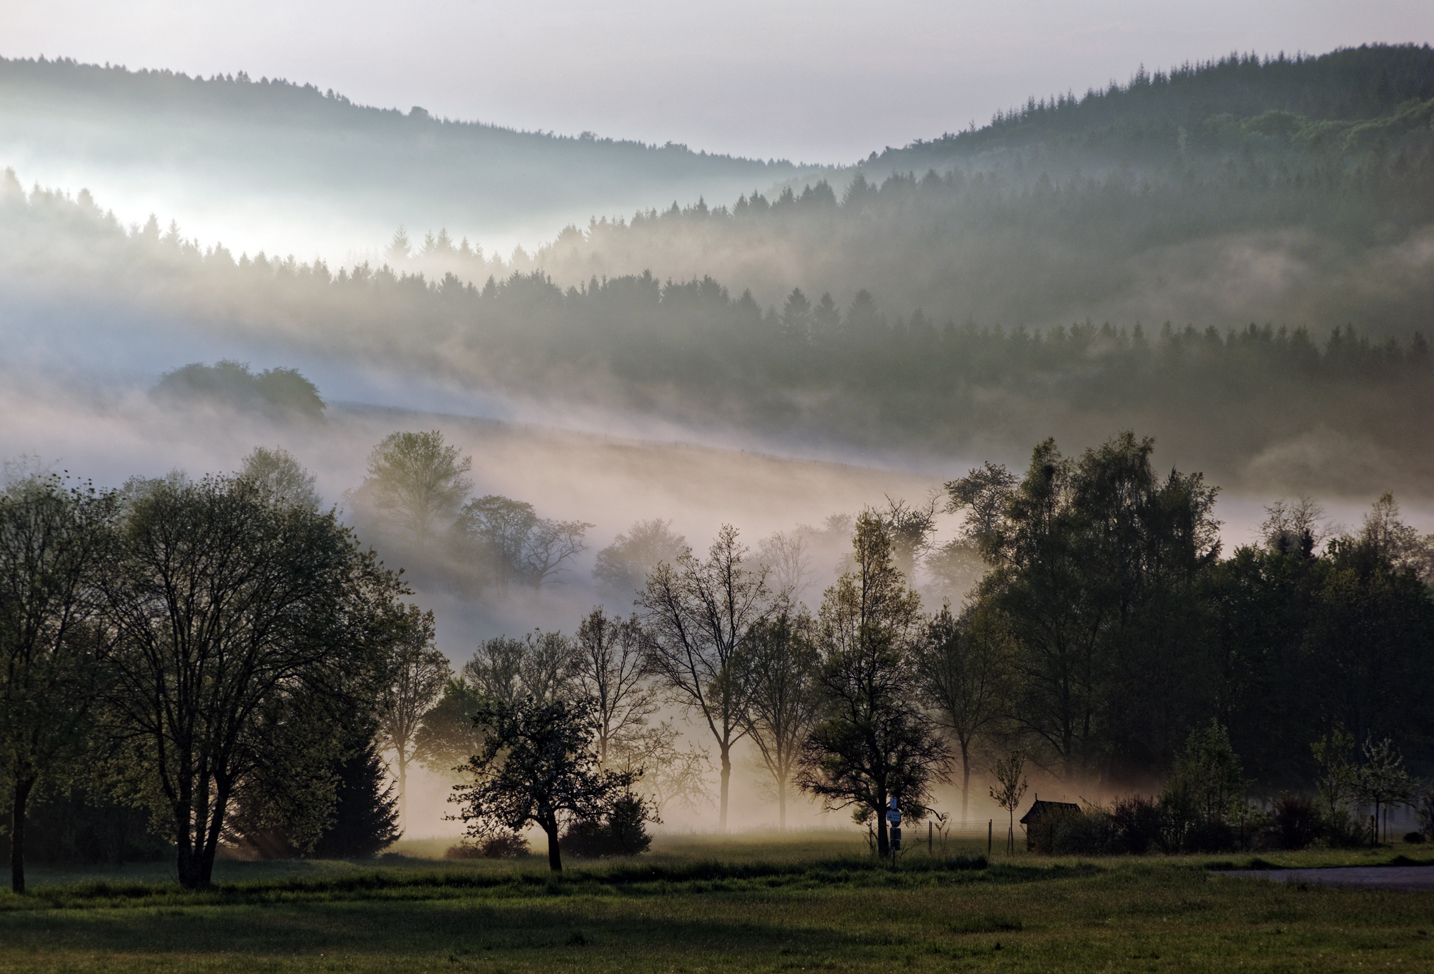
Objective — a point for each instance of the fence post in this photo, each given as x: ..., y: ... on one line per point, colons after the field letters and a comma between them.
x: 990, y: 831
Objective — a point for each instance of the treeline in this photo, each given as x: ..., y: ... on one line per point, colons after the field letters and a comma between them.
x: 1243, y: 403
x: 1108, y: 644
x: 270, y: 139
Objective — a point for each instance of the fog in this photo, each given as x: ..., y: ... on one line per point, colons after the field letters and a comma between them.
x: 785, y: 344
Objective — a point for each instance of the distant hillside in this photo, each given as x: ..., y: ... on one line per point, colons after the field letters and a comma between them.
x: 186, y: 143
x: 1156, y: 119
x: 1295, y: 192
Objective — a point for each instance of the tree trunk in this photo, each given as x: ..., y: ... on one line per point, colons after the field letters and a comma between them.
x: 555, y: 856
x: 187, y: 864
x: 782, y: 806
x: 883, y: 845
x: 17, y: 833
x: 726, y: 785
x: 402, y: 790
x: 965, y: 779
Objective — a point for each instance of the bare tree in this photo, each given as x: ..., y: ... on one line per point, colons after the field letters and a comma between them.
x: 610, y: 672
x: 695, y: 615
x: 909, y: 528
x: 540, y: 666
x: 417, y: 678
x: 1294, y: 528
x: 780, y: 659
x: 1010, y: 786
x: 664, y: 772
x: 415, y: 481
x: 788, y: 563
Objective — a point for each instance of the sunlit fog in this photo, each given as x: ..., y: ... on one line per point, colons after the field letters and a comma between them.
x: 1071, y: 363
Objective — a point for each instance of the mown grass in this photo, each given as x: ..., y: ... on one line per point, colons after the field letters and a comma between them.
x: 702, y: 904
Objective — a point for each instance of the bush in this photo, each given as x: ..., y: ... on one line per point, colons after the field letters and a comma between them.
x: 1090, y: 833
x: 1137, y: 822
x: 622, y: 833
x: 1414, y: 838
x: 1295, y: 821
x: 507, y: 846
x: 1210, y: 835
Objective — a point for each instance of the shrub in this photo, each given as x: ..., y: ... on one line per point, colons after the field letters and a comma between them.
x: 1414, y: 838
x: 1210, y: 835
x: 622, y: 833
x: 506, y: 846
x: 1137, y: 822
x: 1090, y: 833
x: 1295, y: 821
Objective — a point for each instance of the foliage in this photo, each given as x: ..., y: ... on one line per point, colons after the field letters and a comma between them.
x: 537, y: 766
x: 609, y: 669
x: 504, y: 846
x: 414, y: 483
x: 447, y: 736
x: 1296, y: 820
x: 511, y: 544
x: 365, y: 818
x: 1207, y: 783
x: 622, y: 831
x: 243, y: 633
x: 965, y: 678
x: 623, y: 566
x: 279, y: 393
x: 540, y: 666
x: 55, y: 547
x: 1009, y: 787
x: 871, y: 743
x: 280, y: 479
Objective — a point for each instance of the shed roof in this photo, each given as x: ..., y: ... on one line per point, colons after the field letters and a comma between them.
x: 1039, y: 810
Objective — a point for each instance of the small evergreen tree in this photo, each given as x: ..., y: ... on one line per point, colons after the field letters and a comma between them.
x: 365, y: 816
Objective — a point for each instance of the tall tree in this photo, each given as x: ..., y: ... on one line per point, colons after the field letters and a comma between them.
x: 415, y: 481
x: 241, y: 631
x: 695, y: 615
x: 55, y: 544
x: 418, y: 674
x: 965, y: 672
x: 610, y: 672
x: 780, y: 661
x: 873, y: 742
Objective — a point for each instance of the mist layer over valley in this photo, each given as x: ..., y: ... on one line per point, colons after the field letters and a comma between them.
x: 1235, y: 259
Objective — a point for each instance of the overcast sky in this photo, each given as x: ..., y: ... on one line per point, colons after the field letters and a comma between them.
x: 810, y: 81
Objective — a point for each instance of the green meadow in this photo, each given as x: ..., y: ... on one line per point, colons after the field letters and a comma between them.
x: 809, y: 901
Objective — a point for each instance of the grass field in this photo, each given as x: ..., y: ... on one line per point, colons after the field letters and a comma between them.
x: 810, y: 901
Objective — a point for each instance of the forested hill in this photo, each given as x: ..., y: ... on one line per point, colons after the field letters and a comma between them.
x: 1196, y: 197
x: 242, y: 139
x: 1161, y: 116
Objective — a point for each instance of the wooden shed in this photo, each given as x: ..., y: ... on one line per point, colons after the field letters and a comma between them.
x: 1040, y: 822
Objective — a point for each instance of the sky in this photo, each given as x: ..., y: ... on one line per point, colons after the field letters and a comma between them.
x: 819, y: 82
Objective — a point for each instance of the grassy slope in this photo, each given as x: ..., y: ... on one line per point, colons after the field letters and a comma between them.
x: 808, y: 904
